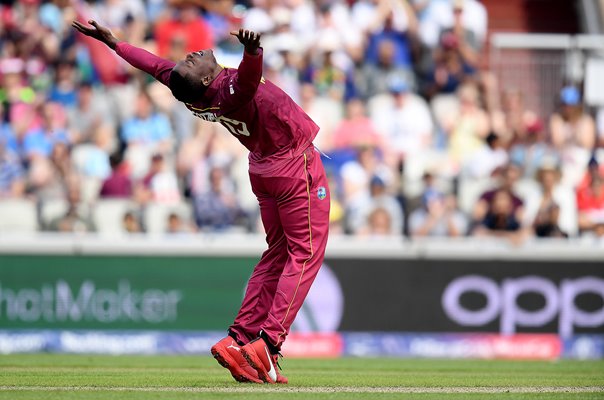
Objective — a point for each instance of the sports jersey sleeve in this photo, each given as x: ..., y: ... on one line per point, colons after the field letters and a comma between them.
x: 141, y: 59
x: 245, y: 83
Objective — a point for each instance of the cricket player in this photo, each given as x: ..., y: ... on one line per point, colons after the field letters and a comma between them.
x: 287, y: 177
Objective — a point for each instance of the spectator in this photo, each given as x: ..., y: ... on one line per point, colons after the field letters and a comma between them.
x: 303, y: 20
x: 185, y: 23
x: 593, y: 168
x: 438, y: 217
x: 513, y: 121
x: 325, y: 74
x: 573, y: 134
x: 147, y: 128
x: 134, y: 26
x: 438, y: 214
x: 356, y: 174
x: 451, y: 67
x: 160, y: 184
x: 470, y: 128
x: 363, y: 14
x: 118, y: 184
x: 12, y: 182
x: 209, y: 149
x: 14, y: 89
x: 90, y: 111
x: 325, y: 111
x: 176, y: 225
x: 360, y: 211
x: 395, y: 23
x: 177, y: 49
x: 220, y: 18
x: 404, y: 120
x: 378, y: 224
x: 64, y: 90
x: 334, y: 23
x: 8, y: 138
x: 486, y: 160
x: 74, y: 220
x: 571, y: 127
x: 546, y: 222
x: 217, y: 209
x: 356, y: 129
x: 530, y: 148
x: 41, y: 141
x: 48, y: 177
x: 93, y: 159
x: 440, y: 15
x: 155, y: 9
x: 484, y: 210
x: 284, y: 66
x: 467, y: 44
x: 376, y: 76
x: 131, y: 223
x: 501, y: 219
x: 97, y: 61
x: 258, y: 18
x: 117, y: 13
x: 590, y: 203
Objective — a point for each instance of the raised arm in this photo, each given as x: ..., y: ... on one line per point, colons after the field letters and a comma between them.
x: 249, y: 73
x: 141, y: 59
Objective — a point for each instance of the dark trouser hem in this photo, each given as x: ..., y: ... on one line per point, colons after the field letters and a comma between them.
x: 271, y: 347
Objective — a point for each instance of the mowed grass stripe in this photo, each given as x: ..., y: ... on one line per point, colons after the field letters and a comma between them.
x: 94, y: 377
x: 312, y: 389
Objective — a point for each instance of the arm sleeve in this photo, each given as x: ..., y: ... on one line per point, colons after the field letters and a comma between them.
x: 141, y: 59
x: 244, y: 85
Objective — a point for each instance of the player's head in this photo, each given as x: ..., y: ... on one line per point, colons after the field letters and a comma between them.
x: 191, y: 76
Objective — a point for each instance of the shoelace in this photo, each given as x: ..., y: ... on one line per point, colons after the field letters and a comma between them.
x: 276, y: 359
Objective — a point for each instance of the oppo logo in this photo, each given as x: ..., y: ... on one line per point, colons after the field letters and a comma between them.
x: 502, y: 301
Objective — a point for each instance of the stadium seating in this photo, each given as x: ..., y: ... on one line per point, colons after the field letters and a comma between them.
x: 18, y: 216
x: 108, y: 215
x: 156, y: 215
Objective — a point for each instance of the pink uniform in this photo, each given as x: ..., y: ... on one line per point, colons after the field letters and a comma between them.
x: 287, y: 177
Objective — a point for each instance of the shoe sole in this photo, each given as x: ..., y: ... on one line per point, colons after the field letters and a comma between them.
x: 225, y: 360
x: 255, y: 363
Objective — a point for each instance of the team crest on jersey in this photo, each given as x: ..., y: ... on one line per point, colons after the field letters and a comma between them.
x: 321, y: 193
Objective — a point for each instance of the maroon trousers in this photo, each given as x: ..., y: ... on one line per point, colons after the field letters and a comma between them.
x: 294, y: 207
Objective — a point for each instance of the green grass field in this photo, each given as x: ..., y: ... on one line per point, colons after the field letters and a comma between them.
x: 49, y: 376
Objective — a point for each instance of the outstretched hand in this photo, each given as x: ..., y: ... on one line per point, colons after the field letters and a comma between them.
x: 98, y: 32
x: 249, y: 39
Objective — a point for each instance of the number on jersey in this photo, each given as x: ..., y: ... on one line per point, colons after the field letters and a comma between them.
x: 235, y: 127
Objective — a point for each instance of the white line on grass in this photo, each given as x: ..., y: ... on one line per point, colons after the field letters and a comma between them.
x: 313, y: 389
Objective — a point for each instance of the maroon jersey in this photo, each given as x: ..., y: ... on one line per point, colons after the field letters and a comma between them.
x: 259, y: 114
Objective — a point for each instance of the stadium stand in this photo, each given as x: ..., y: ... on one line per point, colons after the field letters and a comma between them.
x: 18, y: 216
x: 403, y: 89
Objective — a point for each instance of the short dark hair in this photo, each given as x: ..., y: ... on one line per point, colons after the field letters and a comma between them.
x: 186, y: 89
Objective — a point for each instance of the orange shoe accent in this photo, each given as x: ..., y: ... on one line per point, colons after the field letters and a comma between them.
x: 228, y: 354
x: 259, y: 357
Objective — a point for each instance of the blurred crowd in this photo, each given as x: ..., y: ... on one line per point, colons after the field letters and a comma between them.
x: 419, y: 138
